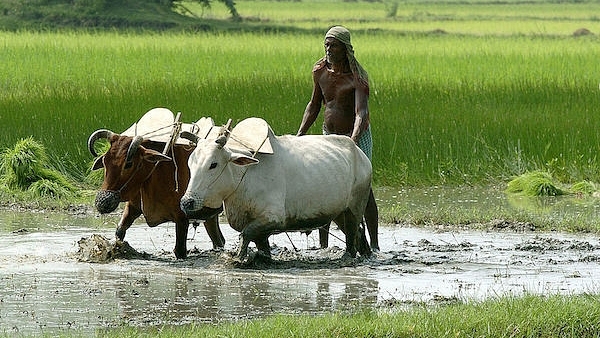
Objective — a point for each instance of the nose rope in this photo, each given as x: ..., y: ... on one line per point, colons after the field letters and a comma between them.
x: 137, y: 168
x: 238, y: 185
x: 218, y: 176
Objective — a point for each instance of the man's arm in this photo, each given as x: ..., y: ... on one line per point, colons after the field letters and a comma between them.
x: 361, y: 119
x: 312, y: 108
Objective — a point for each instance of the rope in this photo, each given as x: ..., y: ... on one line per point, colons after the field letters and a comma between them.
x: 248, y: 147
x: 290, y: 239
x: 176, y: 167
x: 169, y: 146
x: 334, y: 236
x: 156, y: 130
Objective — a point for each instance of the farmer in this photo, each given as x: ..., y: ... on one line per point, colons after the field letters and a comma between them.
x: 341, y: 85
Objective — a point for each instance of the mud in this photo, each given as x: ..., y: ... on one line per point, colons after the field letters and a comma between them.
x: 51, y: 281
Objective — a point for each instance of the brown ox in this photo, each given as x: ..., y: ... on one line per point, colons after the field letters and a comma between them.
x: 136, y: 172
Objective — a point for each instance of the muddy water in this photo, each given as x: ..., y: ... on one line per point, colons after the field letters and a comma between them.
x: 45, y: 288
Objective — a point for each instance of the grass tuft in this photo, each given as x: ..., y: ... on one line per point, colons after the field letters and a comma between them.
x: 584, y: 187
x: 49, y: 188
x: 22, y: 164
x: 26, y: 167
x: 535, y: 183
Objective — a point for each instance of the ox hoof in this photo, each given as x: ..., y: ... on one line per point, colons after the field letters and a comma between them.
x: 120, y: 234
x: 254, y: 260
x: 348, y: 255
x: 180, y: 254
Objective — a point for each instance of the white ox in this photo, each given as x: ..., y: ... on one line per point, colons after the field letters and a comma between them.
x: 304, y: 184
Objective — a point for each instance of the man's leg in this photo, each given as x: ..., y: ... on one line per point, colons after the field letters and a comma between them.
x: 372, y: 219
x: 371, y: 212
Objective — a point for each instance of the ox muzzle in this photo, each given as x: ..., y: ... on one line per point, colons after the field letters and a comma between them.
x: 107, y: 201
x: 194, y: 210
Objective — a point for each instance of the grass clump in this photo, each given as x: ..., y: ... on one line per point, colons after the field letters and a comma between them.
x: 584, y: 187
x: 49, y: 188
x: 26, y: 167
x: 535, y: 183
x: 528, y: 316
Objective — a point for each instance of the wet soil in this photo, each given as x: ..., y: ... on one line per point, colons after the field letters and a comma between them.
x: 65, y: 272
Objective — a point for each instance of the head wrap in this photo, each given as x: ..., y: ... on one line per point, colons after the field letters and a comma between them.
x: 343, y: 35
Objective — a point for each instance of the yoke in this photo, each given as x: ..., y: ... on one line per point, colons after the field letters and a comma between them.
x: 160, y: 125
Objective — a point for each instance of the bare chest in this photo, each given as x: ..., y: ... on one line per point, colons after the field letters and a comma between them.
x: 337, y: 87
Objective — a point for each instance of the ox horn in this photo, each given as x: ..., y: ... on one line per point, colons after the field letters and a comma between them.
x: 189, y: 136
x: 225, y: 130
x: 98, y: 134
x: 221, y: 140
x: 133, y: 148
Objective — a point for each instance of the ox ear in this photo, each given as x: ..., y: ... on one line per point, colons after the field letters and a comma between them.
x: 243, y: 160
x: 98, y: 163
x: 154, y: 156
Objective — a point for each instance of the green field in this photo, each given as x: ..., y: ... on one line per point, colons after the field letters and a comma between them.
x: 483, y: 98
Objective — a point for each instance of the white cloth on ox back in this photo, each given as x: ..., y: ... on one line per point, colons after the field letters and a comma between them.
x: 157, y: 125
x: 251, y: 134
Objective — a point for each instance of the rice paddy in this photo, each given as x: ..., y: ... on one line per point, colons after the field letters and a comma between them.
x: 455, y: 106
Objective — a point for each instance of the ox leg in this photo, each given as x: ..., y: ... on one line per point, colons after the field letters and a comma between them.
x: 257, y: 233
x: 355, y: 235
x: 130, y: 213
x: 372, y: 220
x: 243, y: 249
x: 263, y: 247
x: 361, y: 242
x: 181, y: 233
x: 346, y: 223
x: 324, y: 236
x: 214, y: 232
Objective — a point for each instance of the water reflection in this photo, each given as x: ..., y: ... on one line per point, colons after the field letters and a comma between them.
x: 489, y: 200
x: 196, y: 296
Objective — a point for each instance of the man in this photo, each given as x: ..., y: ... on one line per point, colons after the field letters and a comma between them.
x: 341, y: 85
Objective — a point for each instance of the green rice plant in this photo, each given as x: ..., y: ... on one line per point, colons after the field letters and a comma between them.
x: 26, y: 167
x: 24, y: 164
x: 536, y: 183
x: 50, y: 189
x: 584, y: 187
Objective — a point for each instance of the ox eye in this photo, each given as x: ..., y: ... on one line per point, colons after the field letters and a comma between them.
x: 212, y: 165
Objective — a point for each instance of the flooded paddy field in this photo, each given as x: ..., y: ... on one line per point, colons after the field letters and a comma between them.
x: 45, y: 287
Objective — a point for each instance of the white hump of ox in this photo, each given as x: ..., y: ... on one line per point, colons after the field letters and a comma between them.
x: 251, y: 134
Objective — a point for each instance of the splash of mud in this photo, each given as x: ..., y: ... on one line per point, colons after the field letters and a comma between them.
x: 99, y: 249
